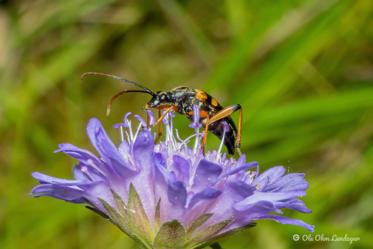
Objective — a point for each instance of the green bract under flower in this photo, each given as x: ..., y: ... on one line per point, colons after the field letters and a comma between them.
x: 170, y: 195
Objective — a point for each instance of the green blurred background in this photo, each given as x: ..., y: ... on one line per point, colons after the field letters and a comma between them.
x: 302, y: 70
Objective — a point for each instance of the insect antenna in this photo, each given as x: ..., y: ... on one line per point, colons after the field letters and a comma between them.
x: 114, y: 97
x: 115, y: 77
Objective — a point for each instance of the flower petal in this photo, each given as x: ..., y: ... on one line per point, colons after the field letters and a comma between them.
x: 289, y: 221
x: 182, y: 167
x: 206, y: 194
x: 242, y: 189
x: 42, y: 178
x: 269, y: 176
x: 142, y: 153
x: 258, y: 208
x: 294, y: 204
x: 86, y: 173
x: 176, y: 191
x: 101, y: 141
x: 82, y: 155
x: 207, y: 173
x: 106, y: 148
x: 289, y: 182
x: 143, y: 147
x: 246, y: 166
x: 99, y: 190
x: 63, y: 192
x: 266, y: 196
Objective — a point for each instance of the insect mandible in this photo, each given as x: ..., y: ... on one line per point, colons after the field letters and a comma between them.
x: 213, y: 116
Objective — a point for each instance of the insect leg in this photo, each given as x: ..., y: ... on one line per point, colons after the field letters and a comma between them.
x: 220, y: 115
x: 205, y: 132
x: 159, y: 121
x: 159, y: 126
x: 239, y: 131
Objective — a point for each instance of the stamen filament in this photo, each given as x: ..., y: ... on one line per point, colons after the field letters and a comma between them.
x: 221, y: 145
x: 121, y: 134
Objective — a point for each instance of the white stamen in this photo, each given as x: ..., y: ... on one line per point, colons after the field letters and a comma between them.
x: 121, y: 134
x: 172, y: 137
x: 128, y: 137
x: 186, y: 141
x: 196, y: 142
x: 178, y: 136
x: 221, y: 146
x: 137, y: 131
x: 130, y: 130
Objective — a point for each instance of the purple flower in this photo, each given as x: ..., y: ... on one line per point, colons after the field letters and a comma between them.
x: 169, y: 195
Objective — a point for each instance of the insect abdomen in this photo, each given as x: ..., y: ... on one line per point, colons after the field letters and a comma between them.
x: 217, y: 128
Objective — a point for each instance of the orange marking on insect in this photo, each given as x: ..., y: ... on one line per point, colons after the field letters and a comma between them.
x: 201, y: 95
x: 214, y: 102
x: 203, y: 114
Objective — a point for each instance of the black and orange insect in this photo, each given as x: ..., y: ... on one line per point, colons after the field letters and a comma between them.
x: 213, y: 116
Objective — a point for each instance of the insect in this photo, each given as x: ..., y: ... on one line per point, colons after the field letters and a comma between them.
x: 213, y: 116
